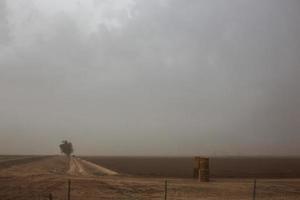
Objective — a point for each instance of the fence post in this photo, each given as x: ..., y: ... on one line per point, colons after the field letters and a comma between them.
x: 166, y: 189
x: 69, y: 189
x: 254, y: 189
x: 50, y: 197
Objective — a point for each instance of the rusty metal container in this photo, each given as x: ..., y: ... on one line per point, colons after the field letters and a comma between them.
x: 201, y: 169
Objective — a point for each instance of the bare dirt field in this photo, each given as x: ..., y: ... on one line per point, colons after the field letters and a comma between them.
x: 36, y: 179
x: 220, y: 167
x: 8, y: 161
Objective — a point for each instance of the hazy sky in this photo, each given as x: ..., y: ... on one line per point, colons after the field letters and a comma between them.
x: 159, y: 77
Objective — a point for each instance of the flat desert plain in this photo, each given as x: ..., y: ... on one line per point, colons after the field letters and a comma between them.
x: 220, y: 167
x: 32, y: 177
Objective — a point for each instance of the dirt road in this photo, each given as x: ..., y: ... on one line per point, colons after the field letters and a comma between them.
x: 79, y: 167
x: 76, y: 168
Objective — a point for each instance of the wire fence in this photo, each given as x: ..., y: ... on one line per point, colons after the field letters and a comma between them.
x: 167, y: 189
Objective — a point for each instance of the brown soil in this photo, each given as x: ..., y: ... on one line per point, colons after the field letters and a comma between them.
x: 37, y: 179
x: 8, y: 161
x: 79, y: 167
x: 220, y: 167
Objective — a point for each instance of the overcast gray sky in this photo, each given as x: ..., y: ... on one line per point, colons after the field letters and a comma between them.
x: 159, y: 77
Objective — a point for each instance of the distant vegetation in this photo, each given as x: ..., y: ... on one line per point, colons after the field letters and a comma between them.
x: 66, y: 147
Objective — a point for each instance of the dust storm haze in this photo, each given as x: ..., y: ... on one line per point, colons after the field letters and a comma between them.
x: 161, y: 77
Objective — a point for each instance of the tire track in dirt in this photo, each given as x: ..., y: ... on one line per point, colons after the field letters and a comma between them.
x: 79, y: 167
x: 76, y: 168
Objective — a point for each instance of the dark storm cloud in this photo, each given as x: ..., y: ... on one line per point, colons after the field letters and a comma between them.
x: 157, y: 77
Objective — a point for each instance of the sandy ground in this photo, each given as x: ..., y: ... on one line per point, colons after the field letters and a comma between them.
x: 79, y: 167
x: 97, y: 169
x: 76, y: 168
x: 35, y: 180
